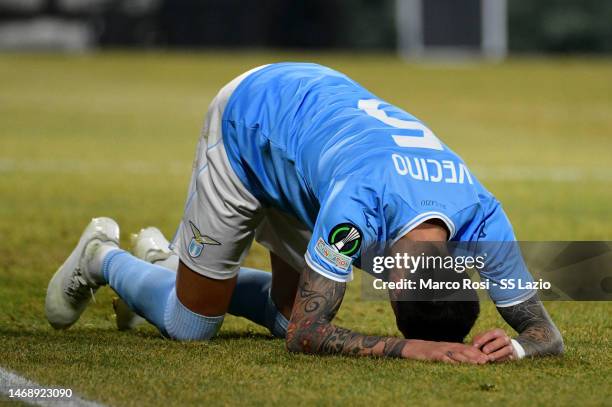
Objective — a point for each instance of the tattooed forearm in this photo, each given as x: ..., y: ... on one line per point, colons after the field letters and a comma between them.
x: 310, y: 330
x: 537, y: 333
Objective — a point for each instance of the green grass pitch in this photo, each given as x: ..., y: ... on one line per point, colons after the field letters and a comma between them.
x: 114, y: 134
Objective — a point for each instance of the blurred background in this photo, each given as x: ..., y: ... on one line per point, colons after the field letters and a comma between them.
x: 104, y: 122
x: 412, y: 27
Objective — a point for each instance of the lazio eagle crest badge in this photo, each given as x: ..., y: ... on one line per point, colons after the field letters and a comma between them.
x: 198, y: 241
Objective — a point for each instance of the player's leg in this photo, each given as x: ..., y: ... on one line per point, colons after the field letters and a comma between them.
x: 262, y: 297
x: 251, y: 298
x: 215, y: 233
x: 266, y: 298
x: 97, y: 260
x: 213, y: 238
x: 183, y: 305
x: 216, y: 230
x: 72, y: 286
x: 284, y: 285
x: 150, y: 245
x: 220, y: 219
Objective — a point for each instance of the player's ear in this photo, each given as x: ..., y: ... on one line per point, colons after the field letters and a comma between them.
x: 429, y: 231
x: 428, y: 237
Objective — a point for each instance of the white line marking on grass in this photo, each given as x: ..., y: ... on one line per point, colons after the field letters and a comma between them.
x: 177, y: 168
x: 9, y: 380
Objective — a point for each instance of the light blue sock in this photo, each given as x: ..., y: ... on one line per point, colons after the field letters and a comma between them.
x: 149, y: 290
x: 143, y: 286
x: 251, y: 300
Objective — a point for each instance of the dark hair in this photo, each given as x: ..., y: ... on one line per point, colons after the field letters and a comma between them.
x: 448, y: 321
x: 428, y: 313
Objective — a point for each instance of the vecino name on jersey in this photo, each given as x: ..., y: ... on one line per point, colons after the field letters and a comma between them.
x: 432, y: 170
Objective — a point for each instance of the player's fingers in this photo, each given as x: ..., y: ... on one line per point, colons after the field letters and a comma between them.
x: 506, y: 353
x: 479, y: 339
x: 496, y: 344
x: 469, y: 350
x: 458, y: 356
x: 487, y: 337
x: 466, y: 354
x: 476, y: 355
x: 480, y: 359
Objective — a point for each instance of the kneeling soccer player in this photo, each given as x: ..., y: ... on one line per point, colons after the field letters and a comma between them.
x: 319, y: 171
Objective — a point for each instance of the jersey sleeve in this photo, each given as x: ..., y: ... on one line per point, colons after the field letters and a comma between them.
x: 346, y: 226
x: 504, y: 268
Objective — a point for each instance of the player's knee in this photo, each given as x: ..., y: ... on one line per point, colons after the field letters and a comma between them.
x: 279, y: 328
x: 182, y: 324
x: 276, y: 321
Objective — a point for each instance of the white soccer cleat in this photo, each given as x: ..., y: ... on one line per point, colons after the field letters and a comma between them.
x: 151, y: 246
x: 73, y: 285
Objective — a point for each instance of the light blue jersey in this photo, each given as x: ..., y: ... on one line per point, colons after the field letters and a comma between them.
x: 358, y: 171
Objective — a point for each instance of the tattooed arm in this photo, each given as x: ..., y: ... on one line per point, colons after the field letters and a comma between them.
x: 538, y: 334
x: 311, y: 331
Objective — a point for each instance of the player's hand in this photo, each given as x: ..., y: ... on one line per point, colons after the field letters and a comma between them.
x: 447, y: 352
x: 496, y: 344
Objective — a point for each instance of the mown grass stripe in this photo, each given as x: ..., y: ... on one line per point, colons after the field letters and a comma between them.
x: 176, y: 167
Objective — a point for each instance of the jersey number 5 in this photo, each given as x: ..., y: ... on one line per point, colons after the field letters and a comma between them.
x: 424, y: 138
